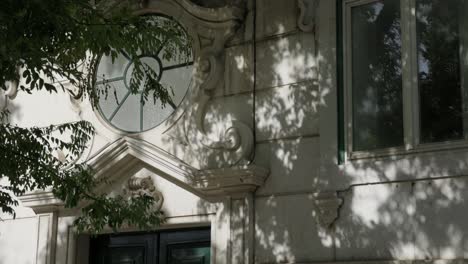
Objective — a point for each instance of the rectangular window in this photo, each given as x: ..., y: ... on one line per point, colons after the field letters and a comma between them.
x: 405, y: 66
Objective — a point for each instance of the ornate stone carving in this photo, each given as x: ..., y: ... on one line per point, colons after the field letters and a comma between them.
x: 236, y: 143
x: 12, y: 89
x: 307, y: 14
x: 327, y: 206
x: 9, y: 94
x: 137, y: 186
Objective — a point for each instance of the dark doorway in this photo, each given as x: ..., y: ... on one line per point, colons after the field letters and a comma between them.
x: 165, y: 247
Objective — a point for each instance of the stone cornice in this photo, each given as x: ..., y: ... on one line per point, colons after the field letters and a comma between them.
x: 230, y: 181
x: 41, y: 201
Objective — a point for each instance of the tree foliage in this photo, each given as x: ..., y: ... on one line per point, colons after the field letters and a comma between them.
x: 43, y: 41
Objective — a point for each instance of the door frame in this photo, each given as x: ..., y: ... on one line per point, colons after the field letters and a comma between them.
x: 155, y: 242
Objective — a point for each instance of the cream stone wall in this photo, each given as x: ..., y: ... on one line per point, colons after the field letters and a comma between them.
x: 282, y: 87
x: 18, y: 240
x: 288, y: 141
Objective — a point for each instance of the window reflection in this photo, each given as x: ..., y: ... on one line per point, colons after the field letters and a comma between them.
x: 438, y: 40
x: 376, y: 75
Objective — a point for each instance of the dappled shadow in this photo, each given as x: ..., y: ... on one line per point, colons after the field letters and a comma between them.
x: 402, y: 215
x: 396, y: 207
x: 407, y: 220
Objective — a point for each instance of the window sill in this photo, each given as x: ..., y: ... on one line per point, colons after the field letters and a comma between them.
x: 394, y: 152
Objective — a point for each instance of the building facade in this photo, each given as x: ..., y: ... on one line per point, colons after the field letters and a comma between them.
x: 304, y: 131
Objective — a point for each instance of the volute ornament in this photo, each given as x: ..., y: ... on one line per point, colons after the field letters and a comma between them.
x: 8, y: 94
x: 307, y: 14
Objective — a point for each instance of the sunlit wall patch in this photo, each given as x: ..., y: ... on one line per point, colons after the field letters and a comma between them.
x: 129, y: 112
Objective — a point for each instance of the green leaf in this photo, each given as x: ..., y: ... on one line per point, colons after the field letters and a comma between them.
x: 49, y: 87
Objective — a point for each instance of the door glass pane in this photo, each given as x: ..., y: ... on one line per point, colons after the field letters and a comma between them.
x: 438, y: 39
x: 169, y: 247
x: 189, y: 254
x: 127, y: 255
x: 376, y: 75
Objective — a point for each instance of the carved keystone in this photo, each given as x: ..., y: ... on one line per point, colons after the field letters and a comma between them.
x: 137, y: 186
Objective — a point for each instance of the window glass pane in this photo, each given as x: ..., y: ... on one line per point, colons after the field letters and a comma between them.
x: 376, y: 75
x: 111, y: 96
x: 127, y: 116
x: 438, y: 28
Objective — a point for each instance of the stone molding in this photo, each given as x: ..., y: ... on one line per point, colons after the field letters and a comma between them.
x: 41, y: 201
x: 225, y: 13
x: 126, y: 156
x: 307, y: 15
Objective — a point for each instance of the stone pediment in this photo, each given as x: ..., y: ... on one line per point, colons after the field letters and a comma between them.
x: 126, y: 156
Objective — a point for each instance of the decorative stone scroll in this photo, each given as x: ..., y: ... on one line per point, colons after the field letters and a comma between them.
x: 236, y: 143
x: 307, y: 14
x: 9, y: 94
x: 327, y: 205
x: 138, y: 186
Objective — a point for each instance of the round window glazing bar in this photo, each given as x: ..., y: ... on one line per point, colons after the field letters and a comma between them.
x: 163, y: 67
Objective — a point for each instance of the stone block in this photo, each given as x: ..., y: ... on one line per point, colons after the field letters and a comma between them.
x: 293, y: 165
x: 238, y: 70
x: 441, y: 226
x: 286, y: 60
x: 287, y: 111
x: 376, y: 223
x: 222, y: 110
x: 286, y: 231
x: 276, y: 17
